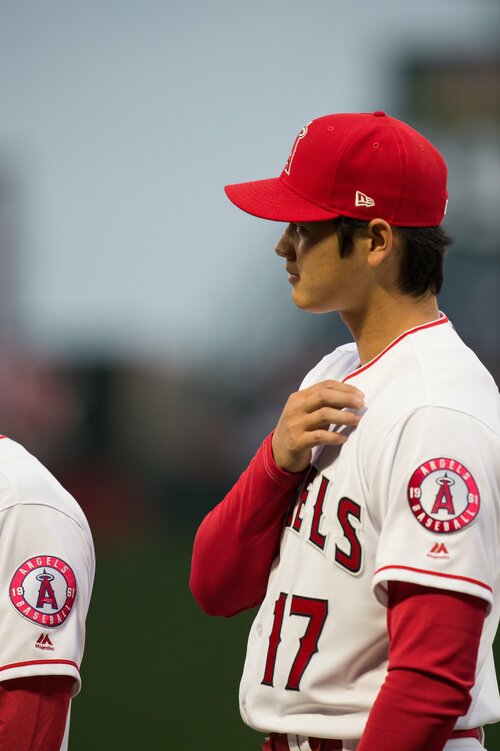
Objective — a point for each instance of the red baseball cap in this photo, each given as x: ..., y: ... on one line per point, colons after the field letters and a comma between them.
x: 356, y: 165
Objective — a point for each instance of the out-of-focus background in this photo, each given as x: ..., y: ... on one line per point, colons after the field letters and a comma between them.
x: 147, y: 338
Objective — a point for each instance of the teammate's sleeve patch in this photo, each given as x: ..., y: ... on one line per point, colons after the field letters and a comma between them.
x: 43, y: 590
x: 443, y: 495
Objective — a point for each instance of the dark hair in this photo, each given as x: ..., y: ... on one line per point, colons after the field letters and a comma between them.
x: 422, y: 253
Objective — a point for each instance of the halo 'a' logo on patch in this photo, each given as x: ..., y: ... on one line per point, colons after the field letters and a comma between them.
x: 43, y: 590
x: 443, y: 495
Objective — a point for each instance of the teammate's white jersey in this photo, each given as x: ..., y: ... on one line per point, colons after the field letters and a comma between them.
x: 413, y: 495
x: 46, y: 571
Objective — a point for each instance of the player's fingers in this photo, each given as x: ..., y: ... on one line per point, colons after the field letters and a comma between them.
x: 321, y: 437
x: 325, y: 416
x: 335, y: 385
x: 328, y: 396
x: 347, y: 388
x: 340, y: 385
x: 329, y: 384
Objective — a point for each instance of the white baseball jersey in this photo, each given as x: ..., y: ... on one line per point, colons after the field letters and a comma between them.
x: 413, y: 495
x: 46, y: 569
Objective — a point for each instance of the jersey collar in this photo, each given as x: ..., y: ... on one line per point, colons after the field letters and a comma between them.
x: 438, y: 322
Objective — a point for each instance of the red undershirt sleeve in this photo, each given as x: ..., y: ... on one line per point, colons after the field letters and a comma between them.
x: 434, y: 640
x: 239, y: 539
x: 33, y: 712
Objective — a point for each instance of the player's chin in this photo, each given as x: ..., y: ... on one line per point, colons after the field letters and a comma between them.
x: 308, y: 303
x: 300, y: 297
x: 299, y: 300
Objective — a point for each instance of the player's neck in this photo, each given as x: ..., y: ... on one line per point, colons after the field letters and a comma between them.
x: 377, y: 326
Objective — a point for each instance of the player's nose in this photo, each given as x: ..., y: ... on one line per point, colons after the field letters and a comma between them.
x: 285, y: 247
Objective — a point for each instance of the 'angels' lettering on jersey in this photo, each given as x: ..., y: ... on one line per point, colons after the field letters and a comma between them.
x: 348, y: 551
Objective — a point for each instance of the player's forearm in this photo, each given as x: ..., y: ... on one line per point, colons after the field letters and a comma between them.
x: 238, y: 540
x: 401, y: 723
x: 434, y: 643
x: 33, y: 712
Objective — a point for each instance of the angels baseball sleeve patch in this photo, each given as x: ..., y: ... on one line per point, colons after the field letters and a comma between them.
x: 43, y: 590
x: 443, y: 495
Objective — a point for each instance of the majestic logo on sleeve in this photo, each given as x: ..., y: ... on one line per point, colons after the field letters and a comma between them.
x: 43, y: 589
x: 443, y: 495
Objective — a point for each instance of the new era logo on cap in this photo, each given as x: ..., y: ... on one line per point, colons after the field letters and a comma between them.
x: 363, y: 200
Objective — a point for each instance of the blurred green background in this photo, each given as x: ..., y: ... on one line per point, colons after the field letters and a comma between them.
x: 147, y: 337
x: 165, y: 675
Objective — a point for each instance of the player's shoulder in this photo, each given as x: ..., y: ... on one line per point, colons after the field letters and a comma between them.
x: 432, y: 367
x: 25, y: 480
x: 451, y: 375
x: 333, y: 366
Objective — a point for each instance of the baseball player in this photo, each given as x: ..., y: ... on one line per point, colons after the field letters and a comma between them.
x: 366, y: 527
x: 47, y: 570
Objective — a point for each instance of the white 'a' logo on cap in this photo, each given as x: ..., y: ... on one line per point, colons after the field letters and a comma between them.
x: 363, y: 200
x: 299, y: 138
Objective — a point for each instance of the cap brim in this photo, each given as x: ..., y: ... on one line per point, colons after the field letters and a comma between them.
x: 273, y: 199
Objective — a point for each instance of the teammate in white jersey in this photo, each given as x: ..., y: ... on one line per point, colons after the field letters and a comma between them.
x: 47, y: 570
x: 367, y: 525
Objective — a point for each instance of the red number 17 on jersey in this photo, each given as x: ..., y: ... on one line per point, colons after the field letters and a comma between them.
x: 308, y: 607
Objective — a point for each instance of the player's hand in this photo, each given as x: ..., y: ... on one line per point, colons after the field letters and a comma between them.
x: 306, y: 418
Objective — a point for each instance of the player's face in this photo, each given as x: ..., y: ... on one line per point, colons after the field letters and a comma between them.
x: 321, y: 280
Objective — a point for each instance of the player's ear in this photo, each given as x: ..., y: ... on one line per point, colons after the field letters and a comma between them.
x: 381, y: 241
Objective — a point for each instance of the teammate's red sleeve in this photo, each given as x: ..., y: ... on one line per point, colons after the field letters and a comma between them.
x: 33, y: 712
x: 238, y: 540
x: 434, y: 640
